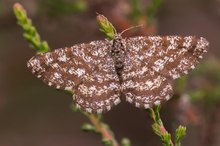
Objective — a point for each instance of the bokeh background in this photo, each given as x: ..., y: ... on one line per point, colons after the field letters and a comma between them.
x: 33, y: 114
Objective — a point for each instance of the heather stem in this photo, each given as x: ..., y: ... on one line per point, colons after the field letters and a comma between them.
x: 103, y: 129
x: 29, y: 31
x: 159, y: 128
x: 161, y: 131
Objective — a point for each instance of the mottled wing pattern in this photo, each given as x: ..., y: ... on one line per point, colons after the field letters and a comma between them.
x: 101, y: 90
x: 153, y: 62
x: 85, y: 69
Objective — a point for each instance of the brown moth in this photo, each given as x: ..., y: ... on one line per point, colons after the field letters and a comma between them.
x: 101, y: 73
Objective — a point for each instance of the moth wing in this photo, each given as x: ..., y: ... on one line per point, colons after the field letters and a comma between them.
x: 153, y: 62
x: 85, y: 69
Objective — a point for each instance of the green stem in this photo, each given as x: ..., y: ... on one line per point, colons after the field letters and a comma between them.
x: 29, y: 31
x: 159, y: 128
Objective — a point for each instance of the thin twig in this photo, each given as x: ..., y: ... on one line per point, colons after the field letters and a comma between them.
x: 99, y: 125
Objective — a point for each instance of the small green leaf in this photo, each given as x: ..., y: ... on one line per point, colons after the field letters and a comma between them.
x: 107, y: 142
x: 74, y: 108
x: 157, y: 114
x: 99, y: 117
x: 164, y: 135
x: 180, y: 132
x: 166, y: 139
x: 88, y: 128
x: 45, y: 46
x: 125, y: 142
x: 105, y: 26
x: 156, y: 128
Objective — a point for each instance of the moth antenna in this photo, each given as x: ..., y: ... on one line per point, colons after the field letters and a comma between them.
x: 132, y: 27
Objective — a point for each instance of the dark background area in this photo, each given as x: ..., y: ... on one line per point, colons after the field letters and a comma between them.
x: 33, y: 114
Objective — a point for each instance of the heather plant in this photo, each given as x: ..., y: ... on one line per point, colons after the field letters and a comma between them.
x: 97, y: 124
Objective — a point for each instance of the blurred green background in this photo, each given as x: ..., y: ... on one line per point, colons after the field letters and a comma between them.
x: 33, y: 114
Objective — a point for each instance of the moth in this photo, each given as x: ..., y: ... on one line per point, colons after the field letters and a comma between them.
x: 138, y: 69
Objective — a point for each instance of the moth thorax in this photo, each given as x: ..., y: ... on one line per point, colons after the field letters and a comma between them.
x: 118, y: 52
